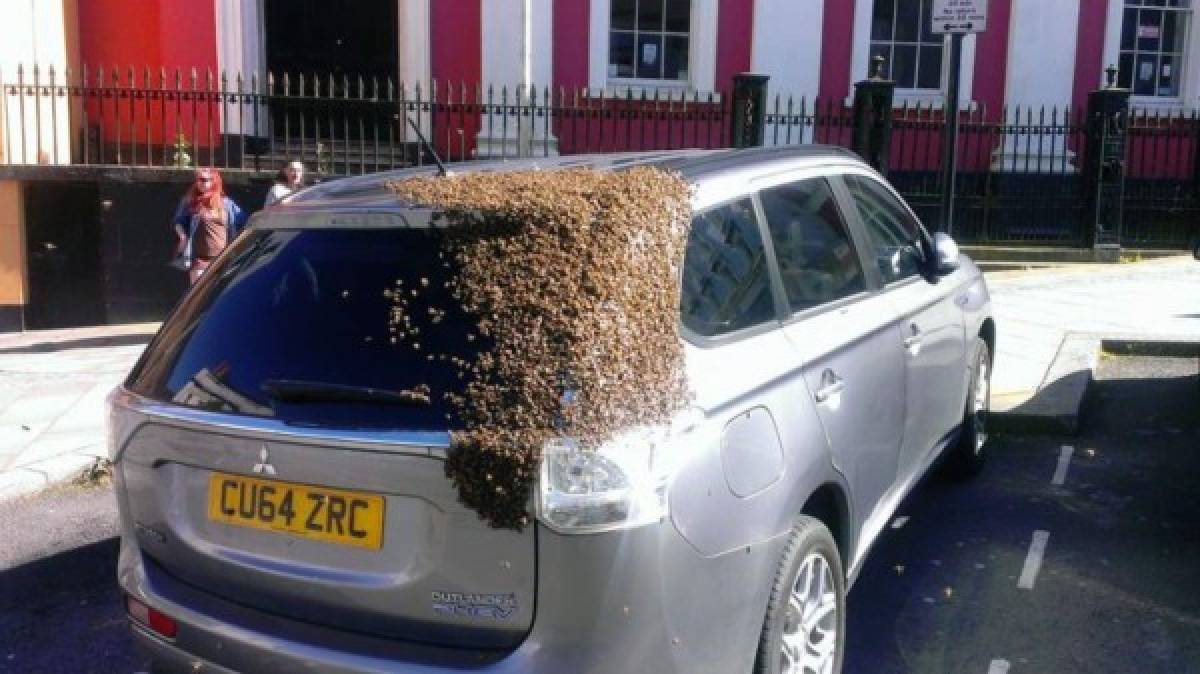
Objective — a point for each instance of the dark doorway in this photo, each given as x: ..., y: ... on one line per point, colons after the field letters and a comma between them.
x: 337, y: 43
x: 331, y: 38
x: 63, y: 243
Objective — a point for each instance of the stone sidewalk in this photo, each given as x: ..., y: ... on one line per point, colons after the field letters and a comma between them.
x: 52, y: 390
x: 1037, y: 310
x: 53, y: 384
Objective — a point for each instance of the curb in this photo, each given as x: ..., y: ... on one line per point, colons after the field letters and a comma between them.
x: 1081, y: 269
x: 35, y: 477
x: 1055, y: 407
x: 1168, y: 347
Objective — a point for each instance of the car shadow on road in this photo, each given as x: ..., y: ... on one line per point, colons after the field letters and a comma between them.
x: 63, y: 613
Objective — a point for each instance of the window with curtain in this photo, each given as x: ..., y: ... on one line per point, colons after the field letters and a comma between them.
x: 1153, y: 46
x: 901, y: 33
x: 649, y: 39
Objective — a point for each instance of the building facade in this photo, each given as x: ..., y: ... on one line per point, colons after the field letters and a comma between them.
x: 1033, y: 52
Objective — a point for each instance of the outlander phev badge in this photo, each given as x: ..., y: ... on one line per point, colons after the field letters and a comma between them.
x: 264, y: 462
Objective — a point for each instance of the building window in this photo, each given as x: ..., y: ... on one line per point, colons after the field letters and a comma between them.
x: 648, y: 39
x: 1153, y: 35
x: 901, y: 34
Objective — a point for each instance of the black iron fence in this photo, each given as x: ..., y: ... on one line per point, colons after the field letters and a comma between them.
x: 1021, y: 175
x: 342, y: 125
x: 1161, y: 199
x: 1018, y: 174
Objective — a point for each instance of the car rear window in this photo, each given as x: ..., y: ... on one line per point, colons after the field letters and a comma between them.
x: 300, y: 325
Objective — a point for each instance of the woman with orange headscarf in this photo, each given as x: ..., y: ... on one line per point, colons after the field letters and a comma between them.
x: 206, y: 221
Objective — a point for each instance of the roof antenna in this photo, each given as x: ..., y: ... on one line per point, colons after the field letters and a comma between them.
x: 429, y: 148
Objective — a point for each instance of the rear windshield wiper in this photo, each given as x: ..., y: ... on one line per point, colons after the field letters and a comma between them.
x: 299, y: 391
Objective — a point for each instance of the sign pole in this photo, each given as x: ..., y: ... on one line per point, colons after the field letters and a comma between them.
x: 950, y: 139
x: 956, y: 18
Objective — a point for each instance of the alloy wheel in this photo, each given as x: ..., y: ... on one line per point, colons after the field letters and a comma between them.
x: 810, y: 629
x: 980, y: 403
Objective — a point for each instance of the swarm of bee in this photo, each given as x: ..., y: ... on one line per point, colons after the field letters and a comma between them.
x: 573, y: 278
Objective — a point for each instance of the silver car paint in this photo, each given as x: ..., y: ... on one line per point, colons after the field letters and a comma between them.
x: 164, y: 472
x: 684, y: 595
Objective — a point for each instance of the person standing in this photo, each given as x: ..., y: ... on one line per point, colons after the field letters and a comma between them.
x: 205, y: 222
x: 289, y: 179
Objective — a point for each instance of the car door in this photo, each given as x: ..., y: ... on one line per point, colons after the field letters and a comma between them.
x: 844, y: 335
x: 746, y: 383
x: 932, y: 325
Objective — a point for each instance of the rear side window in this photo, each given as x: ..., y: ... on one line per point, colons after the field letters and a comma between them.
x: 893, y: 233
x: 817, y: 260
x: 300, y: 325
x: 725, y: 282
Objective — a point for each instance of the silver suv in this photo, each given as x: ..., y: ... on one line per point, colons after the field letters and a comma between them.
x: 281, y: 510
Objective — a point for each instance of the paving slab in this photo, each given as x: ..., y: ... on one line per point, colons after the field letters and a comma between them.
x: 53, y: 385
x: 1035, y: 311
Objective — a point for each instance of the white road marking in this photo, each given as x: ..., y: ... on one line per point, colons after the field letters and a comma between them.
x: 1033, y: 560
x: 999, y: 667
x: 1064, y: 462
x: 899, y: 521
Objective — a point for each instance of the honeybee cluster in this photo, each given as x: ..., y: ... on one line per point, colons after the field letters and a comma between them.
x: 572, y: 277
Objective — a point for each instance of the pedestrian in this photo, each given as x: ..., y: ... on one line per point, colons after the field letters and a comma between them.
x: 289, y: 179
x: 205, y: 222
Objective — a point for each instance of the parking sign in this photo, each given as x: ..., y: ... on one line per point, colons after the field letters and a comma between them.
x: 959, y: 16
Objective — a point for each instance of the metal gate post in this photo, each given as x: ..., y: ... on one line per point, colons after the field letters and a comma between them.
x: 1104, y: 166
x: 749, y: 110
x: 873, y: 117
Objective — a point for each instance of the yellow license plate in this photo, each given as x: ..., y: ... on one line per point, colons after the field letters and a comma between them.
x: 317, y: 513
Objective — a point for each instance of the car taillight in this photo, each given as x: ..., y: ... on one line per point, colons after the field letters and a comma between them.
x: 152, y: 618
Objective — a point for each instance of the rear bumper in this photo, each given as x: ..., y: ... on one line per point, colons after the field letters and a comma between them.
x: 640, y: 600
x: 168, y: 659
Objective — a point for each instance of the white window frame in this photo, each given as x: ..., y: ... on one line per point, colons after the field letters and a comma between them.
x: 702, y: 56
x: 1189, y: 83
x: 860, y: 64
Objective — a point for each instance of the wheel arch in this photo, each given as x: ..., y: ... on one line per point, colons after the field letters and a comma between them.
x: 828, y: 504
x: 988, y: 332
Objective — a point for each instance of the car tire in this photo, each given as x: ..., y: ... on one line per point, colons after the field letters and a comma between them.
x: 970, y: 449
x: 805, y: 626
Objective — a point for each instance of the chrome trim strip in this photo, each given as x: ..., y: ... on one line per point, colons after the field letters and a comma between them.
x: 422, y: 443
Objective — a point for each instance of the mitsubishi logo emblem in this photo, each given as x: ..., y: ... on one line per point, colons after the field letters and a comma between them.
x: 264, y: 462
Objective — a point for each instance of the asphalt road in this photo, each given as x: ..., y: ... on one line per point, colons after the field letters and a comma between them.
x: 1117, y: 589
x: 60, y: 610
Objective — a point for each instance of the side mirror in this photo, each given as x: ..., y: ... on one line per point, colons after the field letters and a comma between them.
x: 946, y: 253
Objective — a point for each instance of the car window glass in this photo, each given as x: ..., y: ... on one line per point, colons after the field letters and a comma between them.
x: 891, y: 231
x: 816, y: 257
x: 725, y: 286
x: 326, y: 313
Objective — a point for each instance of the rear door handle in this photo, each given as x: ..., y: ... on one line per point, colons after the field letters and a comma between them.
x: 913, y: 339
x: 831, y: 385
